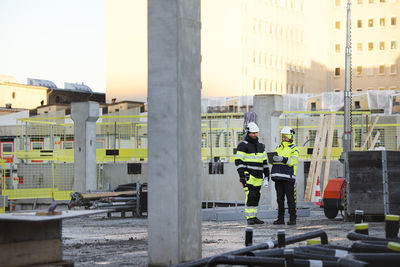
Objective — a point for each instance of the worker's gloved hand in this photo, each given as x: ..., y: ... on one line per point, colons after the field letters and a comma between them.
x: 277, y: 159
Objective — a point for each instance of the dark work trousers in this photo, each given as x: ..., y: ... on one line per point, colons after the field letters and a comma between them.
x: 285, y: 188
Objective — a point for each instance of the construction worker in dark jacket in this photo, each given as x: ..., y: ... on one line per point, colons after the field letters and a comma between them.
x: 283, y: 173
x: 251, y: 163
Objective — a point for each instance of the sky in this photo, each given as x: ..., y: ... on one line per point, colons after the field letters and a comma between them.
x: 57, y: 40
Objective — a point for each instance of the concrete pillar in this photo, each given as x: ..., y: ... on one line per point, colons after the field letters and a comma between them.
x: 268, y: 109
x: 84, y: 115
x: 174, y: 99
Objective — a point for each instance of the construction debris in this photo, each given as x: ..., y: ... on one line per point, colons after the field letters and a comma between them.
x: 127, y: 197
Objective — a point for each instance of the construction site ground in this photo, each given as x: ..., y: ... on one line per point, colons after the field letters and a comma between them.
x: 100, y: 241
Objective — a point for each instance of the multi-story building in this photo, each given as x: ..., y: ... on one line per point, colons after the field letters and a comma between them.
x: 375, y: 40
x: 267, y: 46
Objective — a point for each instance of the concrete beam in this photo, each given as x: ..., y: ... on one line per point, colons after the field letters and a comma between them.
x: 84, y: 115
x: 174, y: 172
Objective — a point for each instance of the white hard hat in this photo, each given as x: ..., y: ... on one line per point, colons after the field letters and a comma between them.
x: 252, y: 127
x: 287, y: 130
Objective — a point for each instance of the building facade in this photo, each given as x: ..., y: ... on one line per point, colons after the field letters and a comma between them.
x: 375, y: 40
x: 267, y: 47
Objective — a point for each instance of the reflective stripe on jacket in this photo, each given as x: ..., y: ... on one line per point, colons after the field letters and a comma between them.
x: 251, y: 158
x: 285, y: 170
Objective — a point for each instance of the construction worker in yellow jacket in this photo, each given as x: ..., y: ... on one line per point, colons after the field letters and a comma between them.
x: 251, y: 163
x: 283, y: 173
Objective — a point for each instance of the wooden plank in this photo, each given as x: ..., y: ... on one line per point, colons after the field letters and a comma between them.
x: 321, y: 149
x: 374, y: 141
x: 30, y: 252
x: 311, y: 172
x: 369, y: 133
x: 106, y: 194
x: 331, y: 129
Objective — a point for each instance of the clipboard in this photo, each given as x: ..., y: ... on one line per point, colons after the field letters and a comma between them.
x: 271, y: 156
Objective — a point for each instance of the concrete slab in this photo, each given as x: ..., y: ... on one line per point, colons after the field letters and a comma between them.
x: 32, y: 217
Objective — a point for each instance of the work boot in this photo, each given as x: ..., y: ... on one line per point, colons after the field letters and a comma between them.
x: 251, y: 221
x: 258, y: 221
x: 278, y: 222
x: 291, y: 222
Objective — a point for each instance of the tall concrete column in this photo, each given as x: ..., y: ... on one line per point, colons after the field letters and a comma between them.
x: 268, y: 109
x: 174, y: 172
x: 84, y: 115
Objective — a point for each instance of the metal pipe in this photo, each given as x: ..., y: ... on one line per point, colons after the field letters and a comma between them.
x: 360, y: 246
x: 266, y: 261
x: 378, y: 259
x: 268, y: 245
x: 356, y: 236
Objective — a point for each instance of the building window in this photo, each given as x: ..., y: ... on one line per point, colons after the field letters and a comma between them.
x: 393, y: 21
x: 313, y: 106
x: 371, y: 1
x: 393, y: 45
x: 357, y: 104
x: 337, y: 2
x: 393, y: 69
x: 382, y: 22
x: 359, y: 23
x: 13, y: 95
x: 370, y: 23
x: 359, y: 2
x: 381, y: 45
x: 337, y: 71
x: 370, y: 46
x: 359, y: 89
x: 359, y: 70
x: 381, y: 69
x: 337, y: 48
x: 337, y: 25
x: 382, y: 1
x: 359, y: 47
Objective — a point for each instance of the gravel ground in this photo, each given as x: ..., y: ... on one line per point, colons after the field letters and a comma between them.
x: 101, y: 241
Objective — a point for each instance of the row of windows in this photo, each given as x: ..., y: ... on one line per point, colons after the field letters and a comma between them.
x: 292, y: 4
x: 276, y: 87
x: 370, y: 23
x: 276, y: 62
x: 381, y: 88
x: 360, y: 2
x: 369, y: 70
x: 262, y: 26
x: 370, y: 46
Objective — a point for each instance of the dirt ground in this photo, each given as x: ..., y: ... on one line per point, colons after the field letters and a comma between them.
x: 101, y: 241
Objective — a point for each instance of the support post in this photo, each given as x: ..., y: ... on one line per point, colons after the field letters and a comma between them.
x: 84, y: 115
x: 174, y: 97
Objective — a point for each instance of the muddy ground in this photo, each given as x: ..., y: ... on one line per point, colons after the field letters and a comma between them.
x: 101, y: 241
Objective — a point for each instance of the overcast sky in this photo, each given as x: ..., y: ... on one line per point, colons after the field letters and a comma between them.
x: 57, y: 40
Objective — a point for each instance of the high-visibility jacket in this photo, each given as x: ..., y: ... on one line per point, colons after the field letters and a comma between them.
x: 251, y: 158
x: 285, y: 170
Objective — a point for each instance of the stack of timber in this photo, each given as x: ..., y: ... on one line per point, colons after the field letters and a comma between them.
x: 323, y: 140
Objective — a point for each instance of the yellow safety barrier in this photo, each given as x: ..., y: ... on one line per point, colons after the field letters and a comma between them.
x: 44, y: 147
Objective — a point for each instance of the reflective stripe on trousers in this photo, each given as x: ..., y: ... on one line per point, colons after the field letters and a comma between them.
x: 249, y: 211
